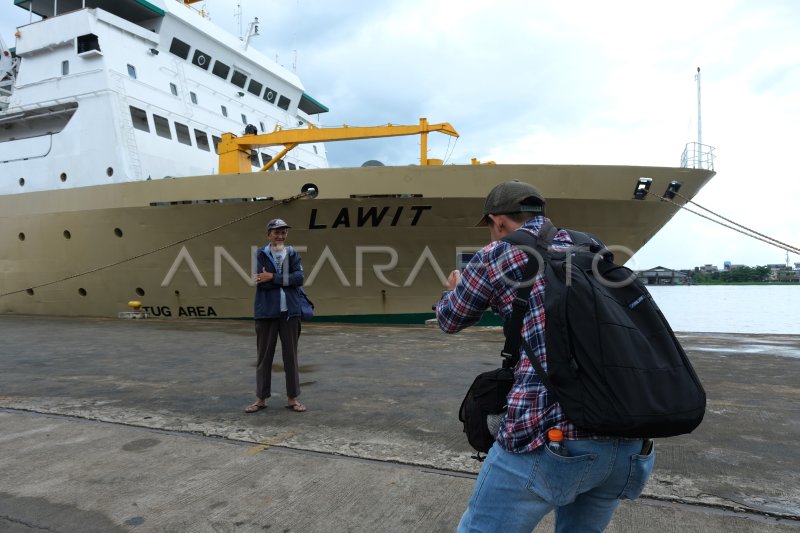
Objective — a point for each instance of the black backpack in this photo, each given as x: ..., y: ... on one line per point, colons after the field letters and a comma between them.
x: 613, y: 362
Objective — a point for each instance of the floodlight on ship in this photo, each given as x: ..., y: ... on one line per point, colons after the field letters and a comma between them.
x: 672, y: 189
x: 642, y: 187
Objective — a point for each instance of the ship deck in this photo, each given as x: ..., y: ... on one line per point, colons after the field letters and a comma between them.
x: 116, y: 425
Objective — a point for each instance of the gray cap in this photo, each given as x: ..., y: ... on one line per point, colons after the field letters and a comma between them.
x: 276, y: 223
x: 512, y: 197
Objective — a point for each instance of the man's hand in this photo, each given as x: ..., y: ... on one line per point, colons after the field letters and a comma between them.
x: 264, y: 276
x: 452, y: 279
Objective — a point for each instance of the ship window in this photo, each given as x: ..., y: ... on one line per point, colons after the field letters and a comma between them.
x: 179, y: 48
x: 182, y: 131
x: 255, y: 87
x: 224, y: 111
x: 64, y: 68
x: 162, y: 127
x: 281, y: 165
x: 269, y: 95
x: 201, y: 139
x: 139, y: 118
x: 132, y: 72
x: 173, y: 89
x: 244, y: 118
x: 254, y: 158
x: 87, y: 43
x: 238, y: 78
x: 193, y: 96
x: 201, y: 59
x: 265, y: 158
x: 262, y: 126
x: 216, y: 141
x: 221, y: 69
x: 314, y: 146
x: 284, y: 102
x: 292, y: 166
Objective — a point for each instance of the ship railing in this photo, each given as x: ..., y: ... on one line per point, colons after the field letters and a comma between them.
x: 8, y: 78
x: 697, y: 155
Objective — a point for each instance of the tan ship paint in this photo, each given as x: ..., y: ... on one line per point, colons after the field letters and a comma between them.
x: 375, y: 241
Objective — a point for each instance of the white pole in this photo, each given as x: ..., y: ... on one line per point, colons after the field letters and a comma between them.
x: 699, y: 122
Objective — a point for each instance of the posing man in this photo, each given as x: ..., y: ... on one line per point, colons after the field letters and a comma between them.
x: 278, y: 280
x: 522, y: 479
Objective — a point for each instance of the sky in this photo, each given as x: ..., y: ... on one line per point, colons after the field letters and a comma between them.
x: 568, y: 82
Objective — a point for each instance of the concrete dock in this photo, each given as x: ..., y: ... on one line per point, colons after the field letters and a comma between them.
x: 138, y: 425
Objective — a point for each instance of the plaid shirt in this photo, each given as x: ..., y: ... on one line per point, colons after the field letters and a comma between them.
x: 485, y: 282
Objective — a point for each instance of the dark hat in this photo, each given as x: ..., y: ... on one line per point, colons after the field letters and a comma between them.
x: 276, y: 223
x: 512, y: 197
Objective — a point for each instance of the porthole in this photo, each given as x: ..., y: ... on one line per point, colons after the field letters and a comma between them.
x: 63, y: 176
x: 82, y: 291
x: 109, y: 172
x: 118, y: 232
x: 67, y: 234
x: 29, y: 291
x: 140, y: 291
x: 21, y: 236
x: 177, y: 292
x: 22, y: 182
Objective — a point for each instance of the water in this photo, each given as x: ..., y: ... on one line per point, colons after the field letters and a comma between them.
x: 731, y: 308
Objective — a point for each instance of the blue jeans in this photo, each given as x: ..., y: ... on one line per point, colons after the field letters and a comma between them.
x: 584, y: 486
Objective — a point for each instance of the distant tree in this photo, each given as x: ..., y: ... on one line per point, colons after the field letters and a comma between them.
x: 762, y: 272
x: 743, y: 274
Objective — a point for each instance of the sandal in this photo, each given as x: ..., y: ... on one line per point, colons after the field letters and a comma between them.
x: 255, y: 407
x: 297, y: 407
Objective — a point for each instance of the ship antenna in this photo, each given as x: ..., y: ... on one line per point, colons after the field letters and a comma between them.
x: 238, y: 16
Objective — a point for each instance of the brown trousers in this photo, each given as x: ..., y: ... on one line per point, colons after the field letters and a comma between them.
x: 267, y: 333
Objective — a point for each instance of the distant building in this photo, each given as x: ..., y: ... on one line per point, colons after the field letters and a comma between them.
x: 774, y: 270
x: 783, y: 273
x: 707, y: 269
x: 663, y: 276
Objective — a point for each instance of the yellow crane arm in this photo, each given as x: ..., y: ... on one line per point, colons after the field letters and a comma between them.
x: 234, y: 152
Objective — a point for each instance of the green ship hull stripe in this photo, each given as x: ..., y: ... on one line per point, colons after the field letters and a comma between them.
x: 409, y: 319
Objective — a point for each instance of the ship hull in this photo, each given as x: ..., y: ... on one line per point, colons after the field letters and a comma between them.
x: 377, y: 242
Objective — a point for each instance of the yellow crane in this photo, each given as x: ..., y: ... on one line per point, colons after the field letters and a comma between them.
x: 234, y: 151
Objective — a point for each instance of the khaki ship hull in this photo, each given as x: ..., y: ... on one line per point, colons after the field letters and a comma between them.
x: 377, y: 242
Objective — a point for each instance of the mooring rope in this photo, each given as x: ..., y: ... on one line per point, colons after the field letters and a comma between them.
x: 164, y: 247
x: 744, y: 230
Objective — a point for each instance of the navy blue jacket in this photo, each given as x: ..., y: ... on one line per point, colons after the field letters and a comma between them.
x: 268, y: 294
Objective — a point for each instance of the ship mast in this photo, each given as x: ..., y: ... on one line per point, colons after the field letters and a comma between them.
x: 252, y: 28
x: 699, y: 122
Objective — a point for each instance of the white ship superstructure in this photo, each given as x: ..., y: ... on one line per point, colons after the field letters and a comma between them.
x: 123, y: 90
